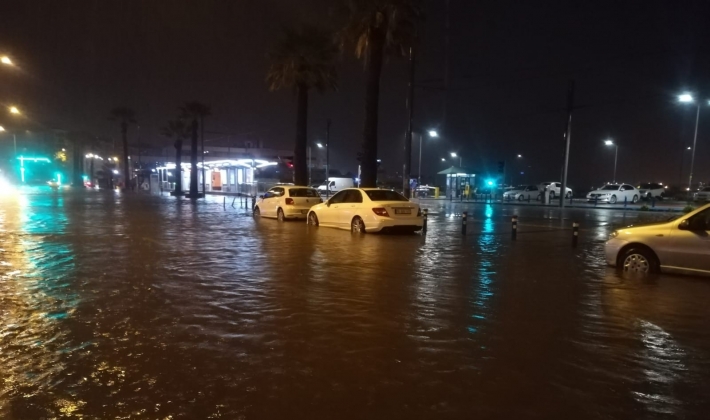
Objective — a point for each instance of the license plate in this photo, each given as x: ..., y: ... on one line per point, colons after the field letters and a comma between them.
x: 402, y: 211
x: 304, y: 211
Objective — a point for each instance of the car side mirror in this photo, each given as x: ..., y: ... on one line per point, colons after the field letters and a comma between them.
x: 327, y: 203
x: 684, y: 225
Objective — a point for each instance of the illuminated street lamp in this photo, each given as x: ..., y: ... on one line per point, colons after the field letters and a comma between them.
x: 454, y: 155
x: 6, y: 60
x: 688, y: 98
x: 616, y: 154
x: 14, y: 110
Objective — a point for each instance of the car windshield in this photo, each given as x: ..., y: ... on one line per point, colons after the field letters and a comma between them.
x: 611, y: 187
x: 520, y: 187
x: 303, y: 192
x: 385, y: 195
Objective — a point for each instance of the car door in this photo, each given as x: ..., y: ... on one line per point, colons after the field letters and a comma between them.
x: 351, y: 207
x: 690, y: 243
x: 530, y: 192
x: 267, y: 203
x: 630, y: 192
x: 329, y: 214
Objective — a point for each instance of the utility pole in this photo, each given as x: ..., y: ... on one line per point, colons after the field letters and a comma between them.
x: 202, y: 138
x: 327, y: 159
x: 406, y: 172
x: 568, y: 135
x: 447, y: 31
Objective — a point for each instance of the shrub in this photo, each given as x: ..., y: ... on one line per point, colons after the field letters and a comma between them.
x: 688, y: 209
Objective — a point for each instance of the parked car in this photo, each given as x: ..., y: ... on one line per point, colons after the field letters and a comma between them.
x: 336, y: 184
x: 613, y: 193
x: 651, y: 190
x: 522, y: 192
x: 287, y: 202
x: 555, y: 190
x: 681, y: 245
x: 367, y: 210
x: 703, y: 194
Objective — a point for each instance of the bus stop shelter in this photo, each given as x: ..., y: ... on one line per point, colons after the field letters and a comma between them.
x: 459, y: 181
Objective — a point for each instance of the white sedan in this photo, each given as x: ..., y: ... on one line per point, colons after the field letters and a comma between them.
x: 613, y: 193
x: 287, y: 202
x: 367, y: 210
x: 522, y: 192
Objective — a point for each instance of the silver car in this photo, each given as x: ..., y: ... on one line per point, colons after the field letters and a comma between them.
x: 681, y: 245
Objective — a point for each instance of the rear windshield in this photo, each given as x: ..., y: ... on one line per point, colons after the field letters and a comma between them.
x: 385, y: 195
x: 303, y: 192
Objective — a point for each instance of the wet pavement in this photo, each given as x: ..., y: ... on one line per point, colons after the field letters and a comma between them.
x: 137, y: 306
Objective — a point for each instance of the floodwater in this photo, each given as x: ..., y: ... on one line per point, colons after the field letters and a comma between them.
x: 135, y: 306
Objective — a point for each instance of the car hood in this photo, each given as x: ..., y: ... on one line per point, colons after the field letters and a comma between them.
x: 602, y: 192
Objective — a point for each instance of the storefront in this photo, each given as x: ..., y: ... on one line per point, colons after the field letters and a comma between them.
x: 233, y: 176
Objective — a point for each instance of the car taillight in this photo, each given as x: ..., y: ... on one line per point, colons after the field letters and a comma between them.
x: 289, y: 201
x: 381, y: 211
x: 419, y: 212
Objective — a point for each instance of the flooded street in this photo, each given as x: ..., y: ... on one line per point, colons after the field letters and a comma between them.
x: 137, y: 306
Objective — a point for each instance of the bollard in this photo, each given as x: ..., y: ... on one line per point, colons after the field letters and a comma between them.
x: 575, y: 234
x: 653, y: 202
x: 253, y: 202
x: 514, y: 232
x: 424, y: 222
x: 463, y: 223
x: 596, y: 200
x: 233, y: 201
x: 570, y: 199
x: 625, y: 201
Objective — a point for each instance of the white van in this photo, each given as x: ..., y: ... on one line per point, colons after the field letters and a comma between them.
x: 337, y: 184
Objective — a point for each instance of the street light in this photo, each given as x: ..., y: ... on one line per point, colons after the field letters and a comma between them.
x: 688, y: 98
x: 454, y: 155
x: 616, y: 154
x: 433, y: 134
x: 6, y: 60
x: 14, y: 110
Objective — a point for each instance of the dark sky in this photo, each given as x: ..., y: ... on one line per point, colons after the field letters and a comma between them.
x: 510, y: 65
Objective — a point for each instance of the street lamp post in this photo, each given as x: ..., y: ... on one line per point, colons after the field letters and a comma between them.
x: 433, y: 134
x: 616, y: 154
x: 688, y: 98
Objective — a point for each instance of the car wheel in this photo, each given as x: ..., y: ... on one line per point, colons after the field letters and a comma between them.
x: 635, y: 199
x: 649, y: 196
x: 568, y: 195
x: 280, y: 215
x: 612, y: 199
x: 539, y: 197
x: 521, y: 197
x: 257, y: 212
x: 357, y: 225
x: 312, y: 219
x: 639, y: 260
x: 552, y: 195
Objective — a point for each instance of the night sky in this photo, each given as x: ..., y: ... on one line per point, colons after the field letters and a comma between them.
x: 510, y: 66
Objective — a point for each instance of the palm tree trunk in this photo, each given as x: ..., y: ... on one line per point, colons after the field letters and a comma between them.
x: 126, y: 174
x: 300, y: 172
x: 193, y: 161
x: 178, y: 167
x: 372, y: 97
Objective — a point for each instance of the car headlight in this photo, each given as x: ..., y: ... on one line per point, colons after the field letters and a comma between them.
x: 613, y: 234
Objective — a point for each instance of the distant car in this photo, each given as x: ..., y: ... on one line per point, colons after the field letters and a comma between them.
x: 651, y: 190
x: 522, y: 192
x: 681, y: 245
x: 424, y: 191
x: 287, y: 202
x: 555, y: 190
x: 613, y: 193
x: 367, y: 210
x: 703, y: 194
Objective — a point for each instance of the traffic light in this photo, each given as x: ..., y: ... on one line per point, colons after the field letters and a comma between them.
x: 501, y: 167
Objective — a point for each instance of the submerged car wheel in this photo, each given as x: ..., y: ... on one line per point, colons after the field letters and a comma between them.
x: 280, y: 215
x: 612, y: 199
x: 639, y: 260
x: 357, y: 225
x: 312, y: 219
x: 257, y: 212
x: 635, y: 199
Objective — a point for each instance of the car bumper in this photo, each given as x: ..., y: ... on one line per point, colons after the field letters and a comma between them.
x: 295, y: 212
x: 599, y: 199
x: 611, y: 250
x: 387, y: 224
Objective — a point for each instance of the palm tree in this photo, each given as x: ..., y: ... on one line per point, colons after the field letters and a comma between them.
x: 302, y: 60
x: 196, y: 112
x: 376, y: 28
x: 177, y: 129
x: 124, y: 116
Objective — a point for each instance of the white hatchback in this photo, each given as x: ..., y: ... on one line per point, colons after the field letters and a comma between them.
x: 367, y: 210
x: 287, y: 202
